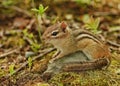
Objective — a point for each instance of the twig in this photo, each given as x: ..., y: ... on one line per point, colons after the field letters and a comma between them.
x: 114, y: 29
x: 34, y: 58
x: 8, y: 53
x: 104, y: 13
x: 28, y: 40
x: 21, y: 10
x: 113, y: 44
x: 31, y: 23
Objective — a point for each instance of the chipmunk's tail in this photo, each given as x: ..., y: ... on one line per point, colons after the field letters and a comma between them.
x: 87, y: 65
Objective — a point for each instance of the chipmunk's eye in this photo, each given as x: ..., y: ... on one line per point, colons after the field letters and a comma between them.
x: 54, y: 33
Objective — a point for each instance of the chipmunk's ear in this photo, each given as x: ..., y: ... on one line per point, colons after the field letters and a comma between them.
x: 63, y: 26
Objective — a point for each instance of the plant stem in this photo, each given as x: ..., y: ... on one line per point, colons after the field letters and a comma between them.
x: 39, y: 19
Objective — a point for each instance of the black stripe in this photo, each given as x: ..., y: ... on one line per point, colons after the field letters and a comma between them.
x: 89, y: 38
x: 87, y: 33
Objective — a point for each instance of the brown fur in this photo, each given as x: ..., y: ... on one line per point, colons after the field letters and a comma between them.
x: 68, y: 41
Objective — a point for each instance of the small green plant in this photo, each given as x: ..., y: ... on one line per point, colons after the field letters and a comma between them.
x: 2, y: 73
x: 35, y: 46
x: 39, y: 13
x: 92, y: 24
x: 29, y: 62
x: 40, y: 10
x: 11, y: 69
x: 27, y: 34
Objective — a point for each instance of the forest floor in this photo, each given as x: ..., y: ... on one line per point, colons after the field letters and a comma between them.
x: 22, y: 55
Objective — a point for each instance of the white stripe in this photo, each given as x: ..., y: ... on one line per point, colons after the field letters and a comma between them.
x: 87, y: 35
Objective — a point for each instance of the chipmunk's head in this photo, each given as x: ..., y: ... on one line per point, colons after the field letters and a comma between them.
x: 56, y: 33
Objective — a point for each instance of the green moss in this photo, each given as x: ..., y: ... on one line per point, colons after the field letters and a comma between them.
x: 89, y: 78
x: 2, y: 73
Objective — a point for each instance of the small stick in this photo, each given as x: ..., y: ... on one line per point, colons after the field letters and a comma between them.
x: 114, y: 30
x: 8, y: 53
x: 113, y: 44
x: 34, y: 58
x: 31, y: 23
x: 28, y: 40
x: 104, y: 13
x: 20, y: 10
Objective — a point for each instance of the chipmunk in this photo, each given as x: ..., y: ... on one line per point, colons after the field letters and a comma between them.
x: 68, y: 41
x: 77, y: 50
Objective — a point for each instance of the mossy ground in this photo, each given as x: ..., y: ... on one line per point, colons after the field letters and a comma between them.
x: 109, y: 77
x: 16, y: 17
